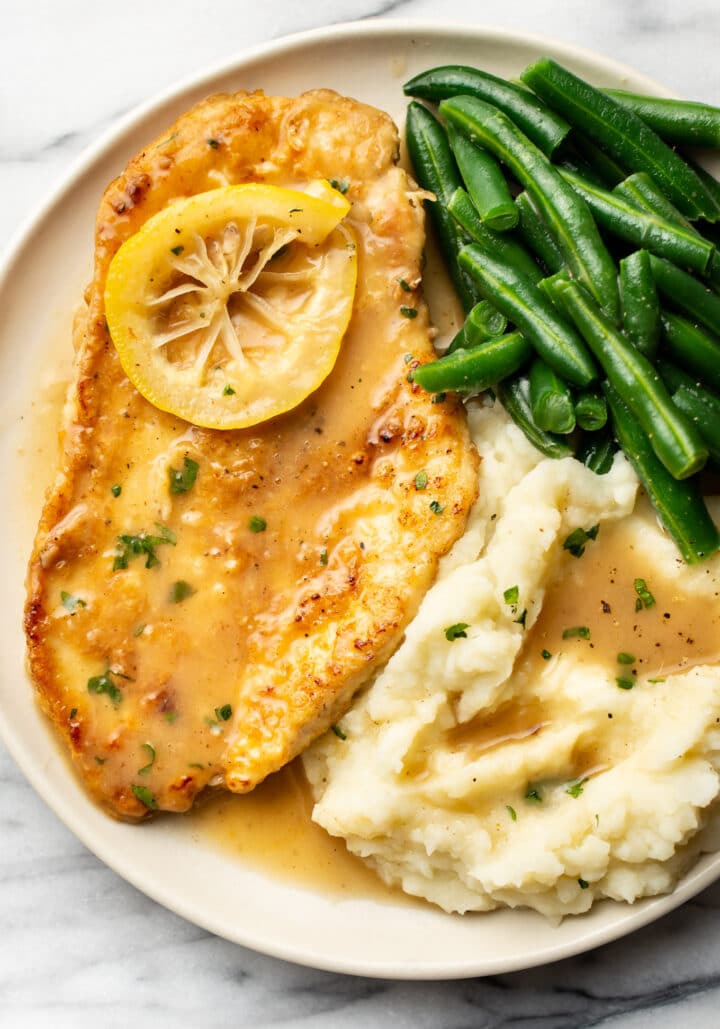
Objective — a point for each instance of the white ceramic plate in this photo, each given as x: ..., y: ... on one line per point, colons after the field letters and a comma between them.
x: 42, y: 279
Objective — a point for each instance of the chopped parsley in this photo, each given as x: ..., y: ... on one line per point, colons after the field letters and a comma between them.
x: 438, y: 398
x: 180, y: 591
x: 73, y: 712
x: 457, y: 631
x: 408, y: 312
x: 338, y: 732
x: 323, y: 556
x: 545, y: 655
x: 512, y: 812
x: 116, y: 490
x: 171, y: 716
x: 257, y: 524
x: 653, y: 681
x: 644, y: 596
x: 408, y: 358
x: 70, y: 602
x: 520, y: 620
x: 224, y: 713
x: 341, y: 185
x: 624, y: 683
x: 583, y: 884
x: 140, y: 630
x: 576, y: 632
x: 145, y: 797
x: 625, y: 659
x: 129, y: 546
x: 213, y: 143
x: 228, y: 391
x: 151, y: 754
x: 574, y: 789
x: 533, y: 795
x: 405, y: 286
x: 195, y: 764
x: 176, y: 250
x: 182, y: 481
x: 104, y: 684
x: 578, y: 540
x: 436, y: 508
x: 512, y: 595
x: 421, y: 480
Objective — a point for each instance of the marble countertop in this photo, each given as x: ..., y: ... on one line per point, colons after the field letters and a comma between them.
x: 78, y: 945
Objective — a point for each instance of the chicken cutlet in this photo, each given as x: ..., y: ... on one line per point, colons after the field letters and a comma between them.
x: 205, y: 635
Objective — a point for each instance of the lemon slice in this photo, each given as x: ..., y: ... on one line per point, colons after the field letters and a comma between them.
x: 229, y: 307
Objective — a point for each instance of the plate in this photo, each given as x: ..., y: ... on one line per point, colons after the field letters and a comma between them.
x: 168, y: 859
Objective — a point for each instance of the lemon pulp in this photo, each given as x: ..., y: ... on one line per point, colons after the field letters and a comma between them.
x: 229, y: 307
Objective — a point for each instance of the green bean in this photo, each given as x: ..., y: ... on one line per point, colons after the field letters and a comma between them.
x: 679, y: 505
x: 597, y: 452
x: 482, y: 323
x: 678, y: 122
x: 622, y: 134
x: 477, y: 369
x: 503, y: 245
x: 566, y: 215
x: 640, y: 190
x: 640, y: 305
x: 643, y: 228
x: 435, y: 170
x: 551, y: 401
x: 676, y: 441
x: 544, y: 127
x: 485, y: 182
x: 692, y: 348
x: 535, y: 234
x: 547, y: 285
x: 686, y: 293
x: 591, y: 410
x: 514, y: 394
x: 527, y: 307
x: 605, y: 169
x: 696, y: 402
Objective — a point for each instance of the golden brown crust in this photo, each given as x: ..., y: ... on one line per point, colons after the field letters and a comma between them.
x: 286, y: 626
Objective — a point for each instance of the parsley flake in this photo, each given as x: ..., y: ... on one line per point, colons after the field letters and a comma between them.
x: 407, y: 358
x: 574, y: 789
x: 116, y: 490
x: 257, y: 524
x: 145, y: 797
x: 323, y: 556
x: 438, y: 398
x: 623, y: 683
x: 408, y: 312
x: 578, y: 540
x: 545, y: 655
x: 176, y: 250
x: 213, y: 143
x: 625, y: 659
x: 228, y: 391
x: 421, y: 480
x: 533, y: 795
x: 73, y: 712
x: 645, y: 598
x: 129, y: 546
x: 576, y: 632
x: 436, y: 508
x: 104, y: 684
x: 338, y: 732
x: 180, y: 591
x: 70, y: 602
x: 183, y: 480
x: 511, y: 595
x: 583, y: 884
x: 341, y: 185
x: 405, y: 286
x: 512, y: 812
x: 151, y: 754
x: 140, y: 630
x: 457, y: 631
x: 521, y: 618
x: 224, y: 713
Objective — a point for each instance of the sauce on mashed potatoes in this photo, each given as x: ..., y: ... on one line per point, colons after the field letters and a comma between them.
x: 548, y: 733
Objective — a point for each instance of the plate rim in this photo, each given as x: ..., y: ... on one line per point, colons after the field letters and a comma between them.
x: 653, y: 908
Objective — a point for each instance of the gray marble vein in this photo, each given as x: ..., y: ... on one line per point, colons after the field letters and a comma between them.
x: 79, y: 946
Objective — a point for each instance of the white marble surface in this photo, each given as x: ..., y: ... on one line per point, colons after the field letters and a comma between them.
x: 78, y: 946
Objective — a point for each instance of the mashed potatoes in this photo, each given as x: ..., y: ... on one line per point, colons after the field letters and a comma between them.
x: 536, y: 740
